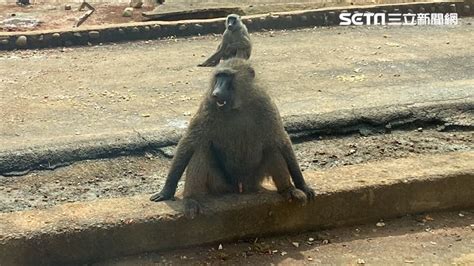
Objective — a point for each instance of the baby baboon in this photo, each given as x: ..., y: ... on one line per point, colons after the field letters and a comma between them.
x: 235, y: 139
x: 235, y: 42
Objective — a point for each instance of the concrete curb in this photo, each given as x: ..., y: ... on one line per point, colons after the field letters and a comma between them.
x: 384, y: 118
x: 154, y: 30
x: 88, y: 231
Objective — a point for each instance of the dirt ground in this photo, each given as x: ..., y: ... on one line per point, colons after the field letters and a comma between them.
x: 133, y: 175
x: 53, y: 16
x: 70, y: 94
x: 48, y: 96
x: 424, y: 239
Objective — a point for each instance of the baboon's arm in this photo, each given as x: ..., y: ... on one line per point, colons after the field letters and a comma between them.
x: 183, y: 155
x: 294, y: 169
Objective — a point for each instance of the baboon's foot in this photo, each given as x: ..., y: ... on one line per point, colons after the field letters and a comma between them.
x: 294, y: 194
x: 191, y: 208
x: 209, y: 64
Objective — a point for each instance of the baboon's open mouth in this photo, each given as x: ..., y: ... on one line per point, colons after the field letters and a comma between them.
x: 220, y: 104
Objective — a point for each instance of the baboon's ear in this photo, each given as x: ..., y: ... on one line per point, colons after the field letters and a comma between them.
x: 252, y: 72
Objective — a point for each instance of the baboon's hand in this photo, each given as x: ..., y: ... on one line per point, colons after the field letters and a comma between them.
x: 162, y: 195
x: 310, y: 193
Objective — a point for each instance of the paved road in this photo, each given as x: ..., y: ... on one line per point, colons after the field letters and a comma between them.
x: 49, y: 96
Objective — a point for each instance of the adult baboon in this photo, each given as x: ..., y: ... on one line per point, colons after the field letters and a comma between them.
x: 235, y: 139
x: 235, y: 42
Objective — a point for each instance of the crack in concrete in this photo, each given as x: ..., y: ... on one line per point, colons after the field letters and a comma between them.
x: 300, y: 128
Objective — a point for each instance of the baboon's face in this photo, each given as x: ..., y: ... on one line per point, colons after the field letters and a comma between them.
x: 232, y: 22
x: 223, y: 90
x: 232, y: 85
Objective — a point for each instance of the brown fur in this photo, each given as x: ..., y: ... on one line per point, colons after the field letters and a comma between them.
x: 235, y: 43
x: 250, y: 141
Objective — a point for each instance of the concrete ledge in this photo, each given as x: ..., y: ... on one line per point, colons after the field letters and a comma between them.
x: 162, y: 29
x: 88, y: 231
x: 383, y: 118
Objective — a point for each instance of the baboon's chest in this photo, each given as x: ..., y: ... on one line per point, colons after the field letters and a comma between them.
x: 240, y: 147
x: 235, y: 37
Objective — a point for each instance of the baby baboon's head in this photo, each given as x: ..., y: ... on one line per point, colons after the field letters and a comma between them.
x: 232, y: 22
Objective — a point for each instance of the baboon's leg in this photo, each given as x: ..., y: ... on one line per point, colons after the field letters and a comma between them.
x: 214, y: 59
x: 196, y: 176
x: 195, y: 184
x: 277, y: 168
x: 203, y: 177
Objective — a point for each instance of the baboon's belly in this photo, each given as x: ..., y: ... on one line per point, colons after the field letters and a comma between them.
x: 239, y: 143
x: 242, y: 157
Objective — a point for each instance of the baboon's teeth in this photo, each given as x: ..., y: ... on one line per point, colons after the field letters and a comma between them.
x: 221, y: 104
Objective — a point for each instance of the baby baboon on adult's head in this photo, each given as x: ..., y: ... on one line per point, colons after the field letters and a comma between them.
x: 233, y: 142
x: 235, y: 42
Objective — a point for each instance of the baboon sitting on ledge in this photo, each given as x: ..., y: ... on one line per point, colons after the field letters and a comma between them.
x: 233, y: 142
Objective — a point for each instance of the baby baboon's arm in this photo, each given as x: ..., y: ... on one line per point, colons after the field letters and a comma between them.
x: 295, y: 171
x: 183, y: 155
